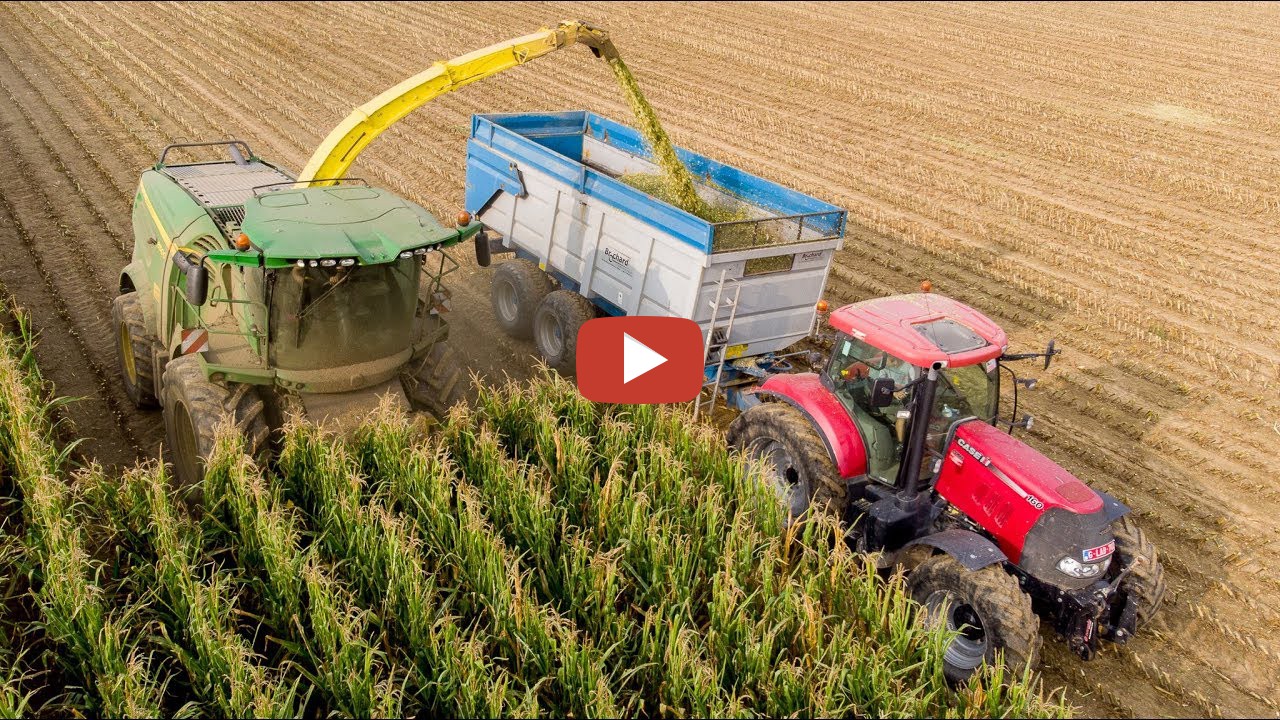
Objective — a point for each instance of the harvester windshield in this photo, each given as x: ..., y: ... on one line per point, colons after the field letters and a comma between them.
x: 337, y: 316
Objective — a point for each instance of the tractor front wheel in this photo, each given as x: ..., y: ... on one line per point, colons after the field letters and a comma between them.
x: 133, y: 350
x: 435, y: 382
x: 1145, y: 582
x: 556, y: 325
x: 193, y: 409
x: 797, y: 464
x: 517, y: 291
x: 986, y: 608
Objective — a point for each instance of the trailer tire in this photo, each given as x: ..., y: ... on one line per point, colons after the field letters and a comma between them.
x: 519, y: 286
x: 1145, y: 582
x: 555, y: 328
x: 990, y: 597
x: 804, y: 475
x: 134, y: 347
x: 193, y: 410
x: 435, y: 383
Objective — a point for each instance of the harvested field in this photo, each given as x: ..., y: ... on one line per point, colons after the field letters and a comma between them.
x: 1105, y: 175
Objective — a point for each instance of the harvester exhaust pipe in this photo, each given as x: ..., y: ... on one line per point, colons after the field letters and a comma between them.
x: 910, y: 480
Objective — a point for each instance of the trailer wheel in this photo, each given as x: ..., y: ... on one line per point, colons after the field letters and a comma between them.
x: 518, y: 289
x: 796, y: 460
x: 193, y: 409
x: 1145, y: 582
x: 556, y: 325
x: 435, y: 383
x: 134, y: 351
x: 986, y: 607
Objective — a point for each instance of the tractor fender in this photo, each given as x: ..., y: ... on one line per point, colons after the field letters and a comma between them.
x: 1112, y: 509
x: 968, y: 548
x: 806, y: 393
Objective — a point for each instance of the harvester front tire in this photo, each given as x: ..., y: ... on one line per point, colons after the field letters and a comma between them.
x: 133, y: 351
x: 1145, y: 582
x: 519, y: 286
x: 555, y: 328
x: 990, y: 597
x: 802, y: 471
x: 435, y: 382
x: 193, y: 409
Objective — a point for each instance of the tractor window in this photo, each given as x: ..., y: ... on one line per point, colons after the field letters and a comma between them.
x: 971, y: 391
x: 854, y: 366
x: 332, y: 317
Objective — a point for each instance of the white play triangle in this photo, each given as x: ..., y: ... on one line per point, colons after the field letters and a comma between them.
x: 637, y: 358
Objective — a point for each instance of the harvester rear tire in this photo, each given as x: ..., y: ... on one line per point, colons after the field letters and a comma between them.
x: 133, y: 351
x: 435, y: 382
x: 1145, y: 582
x: 555, y: 328
x: 519, y: 286
x: 1003, y: 610
x: 804, y: 474
x: 193, y: 410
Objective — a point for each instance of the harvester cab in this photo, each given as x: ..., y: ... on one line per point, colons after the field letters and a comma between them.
x: 901, y: 434
x: 253, y: 295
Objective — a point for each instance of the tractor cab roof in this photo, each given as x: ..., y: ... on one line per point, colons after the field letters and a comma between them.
x: 923, y: 328
x: 367, y: 224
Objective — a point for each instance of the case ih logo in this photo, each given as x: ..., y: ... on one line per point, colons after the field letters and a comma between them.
x: 1095, y: 554
x: 974, y: 452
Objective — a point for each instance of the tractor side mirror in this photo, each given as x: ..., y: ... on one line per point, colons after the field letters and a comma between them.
x: 197, y: 285
x: 1049, y: 352
x: 882, y: 392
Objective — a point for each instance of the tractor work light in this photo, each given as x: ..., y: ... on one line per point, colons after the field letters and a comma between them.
x: 328, y: 262
x: 347, y: 262
x: 420, y: 251
x: 1076, y: 569
x: 406, y: 254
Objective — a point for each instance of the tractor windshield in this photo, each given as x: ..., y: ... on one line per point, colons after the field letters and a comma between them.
x: 330, y: 317
x: 971, y: 391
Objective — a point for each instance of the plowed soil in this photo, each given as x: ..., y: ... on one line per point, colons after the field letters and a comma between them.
x: 1106, y: 175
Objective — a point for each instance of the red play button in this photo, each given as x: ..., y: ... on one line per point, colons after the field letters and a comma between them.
x: 636, y: 360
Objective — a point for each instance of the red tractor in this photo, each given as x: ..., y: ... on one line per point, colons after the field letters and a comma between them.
x: 900, y: 433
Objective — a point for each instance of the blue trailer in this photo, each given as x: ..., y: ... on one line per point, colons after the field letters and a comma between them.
x: 547, y: 188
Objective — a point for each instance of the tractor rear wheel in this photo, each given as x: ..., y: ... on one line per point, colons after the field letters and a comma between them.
x: 556, y: 325
x: 133, y: 350
x: 797, y: 464
x: 1145, y: 582
x: 517, y: 291
x: 435, y: 383
x: 987, y: 608
x: 193, y: 409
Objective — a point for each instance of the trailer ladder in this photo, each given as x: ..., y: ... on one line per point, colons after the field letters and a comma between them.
x: 717, y: 344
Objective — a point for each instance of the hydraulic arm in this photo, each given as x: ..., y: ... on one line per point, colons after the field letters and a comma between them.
x: 350, y: 137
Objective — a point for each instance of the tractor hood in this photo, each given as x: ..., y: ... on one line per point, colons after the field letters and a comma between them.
x: 367, y: 225
x: 1041, y: 482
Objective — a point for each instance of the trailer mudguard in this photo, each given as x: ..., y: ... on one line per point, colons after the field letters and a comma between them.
x: 806, y: 393
x: 970, y: 549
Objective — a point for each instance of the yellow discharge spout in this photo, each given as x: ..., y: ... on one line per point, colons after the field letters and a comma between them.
x: 352, y: 135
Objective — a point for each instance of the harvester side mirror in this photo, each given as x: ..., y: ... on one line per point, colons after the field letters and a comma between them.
x: 882, y: 392
x: 197, y: 285
x: 484, y: 254
x: 1049, y: 352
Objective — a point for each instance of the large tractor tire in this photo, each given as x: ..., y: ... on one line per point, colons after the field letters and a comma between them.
x: 1145, y: 581
x: 797, y: 463
x: 193, y: 409
x: 987, y: 607
x: 555, y: 328
x: 133, y: 350
x: 435, y: 382
x: 519, y: 286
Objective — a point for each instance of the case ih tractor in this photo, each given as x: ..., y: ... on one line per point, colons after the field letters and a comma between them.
x: 255, y: 296
x: 900, y: 434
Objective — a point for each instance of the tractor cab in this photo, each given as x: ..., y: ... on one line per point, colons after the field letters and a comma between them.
x: 880, y: 361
